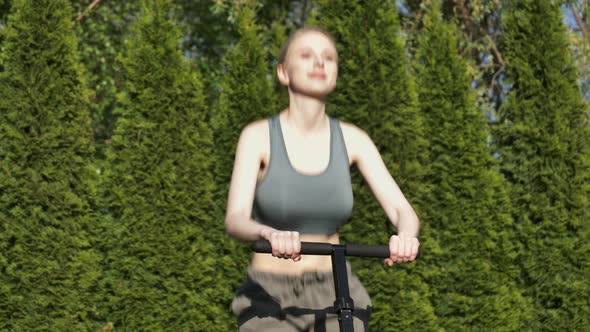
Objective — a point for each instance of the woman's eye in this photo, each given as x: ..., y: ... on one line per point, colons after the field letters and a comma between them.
x: 305, y: 55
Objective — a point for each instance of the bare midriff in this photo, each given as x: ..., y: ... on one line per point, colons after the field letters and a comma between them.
x: 308, y: 263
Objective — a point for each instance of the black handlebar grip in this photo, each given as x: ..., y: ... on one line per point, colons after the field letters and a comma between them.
x: 319, y: 248
x: 370, y: 250
x: 261, y: 246
x: 367, y: 250
x: 307, y: 248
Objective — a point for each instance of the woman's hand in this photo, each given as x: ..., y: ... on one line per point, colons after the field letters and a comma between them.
x: 402, y: 249
x: 285, y: 244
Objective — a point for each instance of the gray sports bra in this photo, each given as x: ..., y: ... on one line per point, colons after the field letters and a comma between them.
x: 288, y: 200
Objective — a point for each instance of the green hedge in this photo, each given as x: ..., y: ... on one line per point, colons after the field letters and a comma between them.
x: 469, y: 209
x: 49, y: 262
x: 161, y: 259
x: 543, y: 139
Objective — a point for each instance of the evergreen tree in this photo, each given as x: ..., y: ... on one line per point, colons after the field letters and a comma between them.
x: 469, y: 208
x: 49, y: 269
x: 246, y: 96
x: 543, y: 139
x: 375, y: 92
x: 162, y: 261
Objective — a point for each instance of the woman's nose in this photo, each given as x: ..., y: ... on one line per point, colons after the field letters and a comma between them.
x: 319, y: 62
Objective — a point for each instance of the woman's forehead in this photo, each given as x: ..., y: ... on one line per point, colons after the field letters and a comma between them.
x: 313, y: 39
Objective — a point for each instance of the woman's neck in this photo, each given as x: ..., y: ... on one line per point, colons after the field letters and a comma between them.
x: 306, y: 114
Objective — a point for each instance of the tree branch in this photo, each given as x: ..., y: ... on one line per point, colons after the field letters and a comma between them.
x: 81, y: 16
x: 493, y: 81
x: 580, y: 23
x: 495, y: 50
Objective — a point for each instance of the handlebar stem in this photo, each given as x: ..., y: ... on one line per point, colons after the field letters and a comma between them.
x: 344, y: 303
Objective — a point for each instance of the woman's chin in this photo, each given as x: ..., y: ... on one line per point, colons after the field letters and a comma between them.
x: 316, y: 93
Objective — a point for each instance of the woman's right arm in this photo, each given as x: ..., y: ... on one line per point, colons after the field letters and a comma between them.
x: 238, y: 221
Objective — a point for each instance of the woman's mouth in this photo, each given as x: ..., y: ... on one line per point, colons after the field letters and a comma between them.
x: 318, y: 75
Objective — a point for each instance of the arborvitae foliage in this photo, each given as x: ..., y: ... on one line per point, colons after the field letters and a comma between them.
x: 544, y: 140
x: 280, y: 35
x: 246, y: 96
x: 162, y: 264
x: 48, y: 265
x: 375, y: 92
x: 469, y: 209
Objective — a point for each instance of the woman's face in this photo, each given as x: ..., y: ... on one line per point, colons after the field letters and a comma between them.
x: 311, y: 65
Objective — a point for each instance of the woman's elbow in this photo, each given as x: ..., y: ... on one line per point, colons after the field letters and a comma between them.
x: 229, y: 224
x: 232, y: 224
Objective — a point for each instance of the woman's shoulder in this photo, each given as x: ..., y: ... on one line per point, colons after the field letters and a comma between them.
x: 353, y: 133
x: 255, y: 133
x: 256, y: 126
x: 355, y: 139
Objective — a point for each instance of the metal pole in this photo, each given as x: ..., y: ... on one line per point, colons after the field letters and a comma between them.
x: 344, y: 303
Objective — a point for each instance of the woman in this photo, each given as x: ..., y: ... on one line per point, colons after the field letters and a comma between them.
x: 291, y: 183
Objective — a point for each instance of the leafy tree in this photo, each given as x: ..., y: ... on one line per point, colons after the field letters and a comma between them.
x: 543, y: 139
x: 478, y: 29
x: 579, y: 12
x: 103, y: 34
x: 469, y: 209
x: 4, y: 9
x: 49, y: 267
x: 162, y: 262
x: 5, y: 6
x: 375, y: 92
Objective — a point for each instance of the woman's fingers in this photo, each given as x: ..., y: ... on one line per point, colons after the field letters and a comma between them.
x: 285, y: 244
x: 288, y: 243
x: 415, y: 248
x: 394, y: 252
x: 296, y: 246
x: 281, y: 244
x: 275, y: 243
x: 402, y: 249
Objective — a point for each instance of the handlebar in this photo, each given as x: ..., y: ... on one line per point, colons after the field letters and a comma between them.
x: 344, y: 303
x: 326, y: 249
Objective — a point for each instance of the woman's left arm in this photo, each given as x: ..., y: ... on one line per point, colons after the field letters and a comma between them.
x: 364, y: 154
